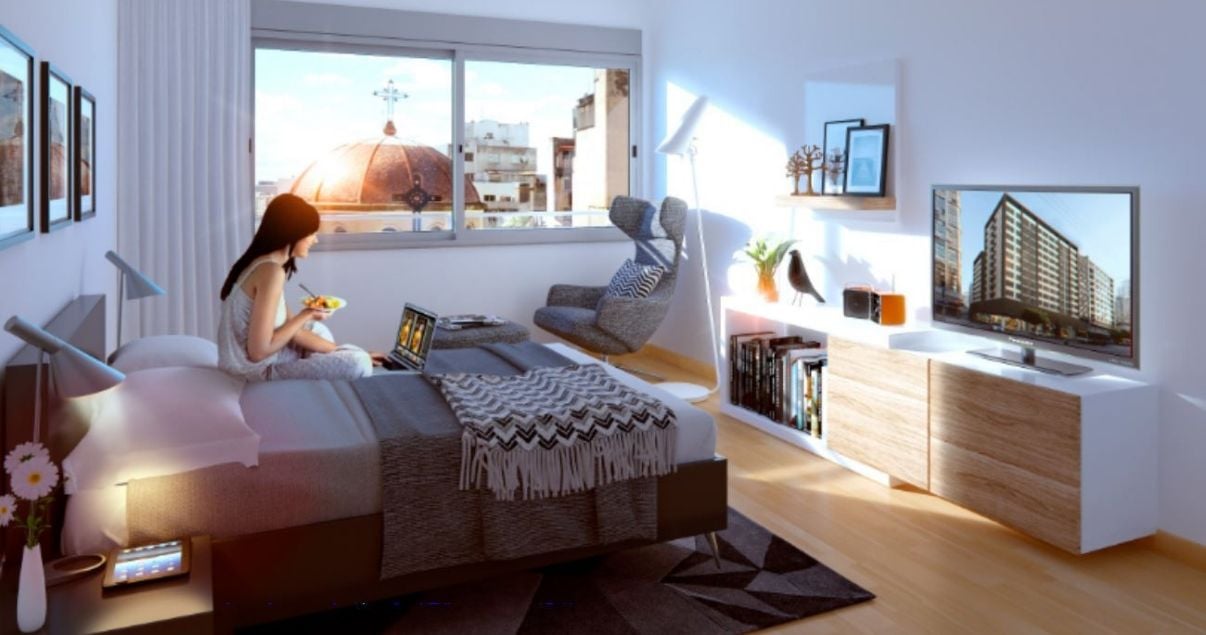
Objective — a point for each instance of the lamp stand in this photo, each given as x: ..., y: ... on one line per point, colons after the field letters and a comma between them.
x: 121, y: 302
x: 683, y: 390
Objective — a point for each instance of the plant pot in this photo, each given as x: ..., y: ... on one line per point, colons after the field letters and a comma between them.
x: 767, y: 288
x: 31, y: 592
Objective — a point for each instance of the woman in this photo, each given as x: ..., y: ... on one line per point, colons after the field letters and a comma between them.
x: 258, y: 337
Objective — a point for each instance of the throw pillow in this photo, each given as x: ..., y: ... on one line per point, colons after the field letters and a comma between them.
x: 635, y: 280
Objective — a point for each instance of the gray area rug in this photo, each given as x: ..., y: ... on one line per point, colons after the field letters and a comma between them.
x: 673, y: 587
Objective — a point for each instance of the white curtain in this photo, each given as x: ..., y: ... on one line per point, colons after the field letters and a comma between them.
x: 184, y: 174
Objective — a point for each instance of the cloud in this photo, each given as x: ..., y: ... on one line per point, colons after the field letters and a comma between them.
x: 326, y: 79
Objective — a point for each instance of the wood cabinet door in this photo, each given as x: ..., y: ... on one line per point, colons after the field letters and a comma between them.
x: 878, y: 409
x: 1008, y: 450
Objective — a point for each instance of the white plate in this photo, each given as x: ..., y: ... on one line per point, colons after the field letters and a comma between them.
x: 340, y: 302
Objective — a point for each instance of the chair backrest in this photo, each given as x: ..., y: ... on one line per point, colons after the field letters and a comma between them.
x: 658, y: 234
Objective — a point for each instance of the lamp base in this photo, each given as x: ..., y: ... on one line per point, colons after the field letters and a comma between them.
x: 692, y: 393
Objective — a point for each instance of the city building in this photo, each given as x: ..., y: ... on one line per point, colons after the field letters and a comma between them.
x: 563, y: 173
x: 502, y: 165
x: 1027, y: 261
x: 948, y: 285
x: 1122, y: 306
x: 601, y: 144
x: 1096, y: 294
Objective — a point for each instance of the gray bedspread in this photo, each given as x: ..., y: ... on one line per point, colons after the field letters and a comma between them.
x: 429, y: 522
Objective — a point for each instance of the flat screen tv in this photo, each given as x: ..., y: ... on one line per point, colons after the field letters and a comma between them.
x: 1041, y: 267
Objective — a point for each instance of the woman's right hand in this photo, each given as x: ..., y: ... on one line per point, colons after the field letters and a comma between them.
x: 318, y: 315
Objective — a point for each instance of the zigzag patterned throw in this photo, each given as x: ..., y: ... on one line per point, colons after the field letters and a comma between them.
x: 635, y: 280
x: 554, y: 431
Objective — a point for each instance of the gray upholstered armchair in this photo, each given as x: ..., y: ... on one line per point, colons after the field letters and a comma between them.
x: 610, y: 325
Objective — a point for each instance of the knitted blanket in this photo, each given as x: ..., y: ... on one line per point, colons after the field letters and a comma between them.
x: 555, y: 431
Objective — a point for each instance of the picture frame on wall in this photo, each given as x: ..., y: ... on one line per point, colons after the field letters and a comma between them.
x: 833, y: 181
x: 16, y: 140
x: 867, y: 164
x: 85, y: 153
x: 58, y: 164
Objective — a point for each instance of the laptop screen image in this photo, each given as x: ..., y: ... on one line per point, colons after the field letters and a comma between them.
x: 415, y: 334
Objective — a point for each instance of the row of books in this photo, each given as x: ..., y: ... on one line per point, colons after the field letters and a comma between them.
x: 778, y: 377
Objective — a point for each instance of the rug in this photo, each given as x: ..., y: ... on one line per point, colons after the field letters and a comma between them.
x: 672, y: 587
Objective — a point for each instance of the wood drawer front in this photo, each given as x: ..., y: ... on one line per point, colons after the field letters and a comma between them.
x: 881, y: 428
x: 904, y: 374
x: 1040, y: 507
x: 1034, y: 429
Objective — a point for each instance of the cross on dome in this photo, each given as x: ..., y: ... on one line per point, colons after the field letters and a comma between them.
x: 391, y: 96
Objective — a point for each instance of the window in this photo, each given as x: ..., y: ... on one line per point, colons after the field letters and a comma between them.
x: 401, y: 129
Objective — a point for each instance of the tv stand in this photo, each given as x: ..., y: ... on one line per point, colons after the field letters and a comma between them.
x: 1026, y: 358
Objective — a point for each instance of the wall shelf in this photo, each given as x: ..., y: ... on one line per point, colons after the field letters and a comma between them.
x: 838, y: 203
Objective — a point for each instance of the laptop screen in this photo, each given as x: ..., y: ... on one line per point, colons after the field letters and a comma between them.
x: 414, y: 335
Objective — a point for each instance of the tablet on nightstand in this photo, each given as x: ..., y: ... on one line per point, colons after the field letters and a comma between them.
x: 136, y: 565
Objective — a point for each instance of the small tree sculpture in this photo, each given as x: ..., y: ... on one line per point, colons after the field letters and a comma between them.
x: 811, y: 159
x: 795, y: 167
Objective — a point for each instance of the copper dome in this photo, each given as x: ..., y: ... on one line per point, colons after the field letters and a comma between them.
x: 381, y: 173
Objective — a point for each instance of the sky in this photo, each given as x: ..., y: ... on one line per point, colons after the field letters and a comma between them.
x: 1098, y: 224
x: 308, y: 103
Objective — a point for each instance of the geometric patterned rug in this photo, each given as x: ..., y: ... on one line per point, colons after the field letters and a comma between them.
x: 673, y: 587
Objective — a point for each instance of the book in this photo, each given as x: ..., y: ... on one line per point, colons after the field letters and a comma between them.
x: 737, y: 364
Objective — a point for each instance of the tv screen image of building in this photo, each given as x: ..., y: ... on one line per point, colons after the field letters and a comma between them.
x: 1052, y: 267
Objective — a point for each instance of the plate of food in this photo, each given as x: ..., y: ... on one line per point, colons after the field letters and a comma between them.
x: 324, y: 302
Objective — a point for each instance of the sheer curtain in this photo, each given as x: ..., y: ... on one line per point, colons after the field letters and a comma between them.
x: 184, y: 176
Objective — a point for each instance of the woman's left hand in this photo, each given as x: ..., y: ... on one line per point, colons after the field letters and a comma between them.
x: 378, y: 358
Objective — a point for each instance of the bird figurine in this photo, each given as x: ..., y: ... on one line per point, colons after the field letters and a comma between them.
x: 798, y: 278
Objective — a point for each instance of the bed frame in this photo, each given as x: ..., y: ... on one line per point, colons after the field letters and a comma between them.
x: 289, y: 572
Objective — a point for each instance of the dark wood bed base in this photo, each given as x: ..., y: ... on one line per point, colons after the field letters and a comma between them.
x: 288, y: 572
x: 299, y: 570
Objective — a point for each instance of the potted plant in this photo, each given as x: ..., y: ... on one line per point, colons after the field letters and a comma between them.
x: 34, y: 477
x: 766, y: 260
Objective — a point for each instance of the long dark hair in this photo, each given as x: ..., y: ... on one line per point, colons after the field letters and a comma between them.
x: 287, y: 220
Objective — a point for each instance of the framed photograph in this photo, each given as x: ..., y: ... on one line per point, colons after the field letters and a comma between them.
x: 834, y: 179
x: 85, y: 152
x: 16, y: 140
x: 58, y: 166
x: 866, y: 167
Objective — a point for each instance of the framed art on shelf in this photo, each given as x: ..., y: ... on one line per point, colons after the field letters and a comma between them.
x: 16, y: 140
x: 866, y: 167
x: 85, y: 153
x: 58, y: 166
x: 834, y: 179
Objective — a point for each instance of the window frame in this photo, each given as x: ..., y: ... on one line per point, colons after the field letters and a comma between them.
x: 458, y: 53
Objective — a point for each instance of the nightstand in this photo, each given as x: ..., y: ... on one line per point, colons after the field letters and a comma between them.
x: 180, y: 606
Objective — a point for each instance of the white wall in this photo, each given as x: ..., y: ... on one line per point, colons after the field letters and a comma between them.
x: 1080, y: 92
x: 40, y: 276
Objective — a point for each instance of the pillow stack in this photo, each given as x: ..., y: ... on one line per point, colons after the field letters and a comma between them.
x: 635, y: 280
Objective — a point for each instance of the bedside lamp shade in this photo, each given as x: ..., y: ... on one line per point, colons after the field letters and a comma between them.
x: 137, y: 285
x: 679, y: 141
x: 76, y: 373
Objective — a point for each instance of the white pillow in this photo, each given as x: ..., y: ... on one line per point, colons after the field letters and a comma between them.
x: 158, y: 422
x: 160, y: 351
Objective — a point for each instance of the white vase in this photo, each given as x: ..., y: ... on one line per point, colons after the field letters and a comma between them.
x: 31, y: 594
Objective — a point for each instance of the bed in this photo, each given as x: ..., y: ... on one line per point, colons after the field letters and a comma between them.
x: 304, y: 533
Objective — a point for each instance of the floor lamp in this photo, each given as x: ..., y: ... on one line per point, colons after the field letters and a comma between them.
x: 681, y: 143
x: 133, y: 286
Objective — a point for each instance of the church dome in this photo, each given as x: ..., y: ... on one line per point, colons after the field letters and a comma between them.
x: 381, y: 173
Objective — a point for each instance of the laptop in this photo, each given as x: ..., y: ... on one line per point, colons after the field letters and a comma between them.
x: 415, y: 333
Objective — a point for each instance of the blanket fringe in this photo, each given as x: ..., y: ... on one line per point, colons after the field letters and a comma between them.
x: 566, y: 469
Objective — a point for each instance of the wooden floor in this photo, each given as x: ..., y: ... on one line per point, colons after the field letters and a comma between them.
x: 934, y: 567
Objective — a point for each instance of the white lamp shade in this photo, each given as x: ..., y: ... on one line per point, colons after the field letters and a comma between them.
x: 679, y: 141
x: 137, y: 284
x: 75, y: 372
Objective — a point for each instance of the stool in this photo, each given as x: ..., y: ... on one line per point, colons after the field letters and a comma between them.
x: 508, y: 332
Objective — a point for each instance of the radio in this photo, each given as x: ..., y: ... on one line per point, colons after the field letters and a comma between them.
x: 865, y: 303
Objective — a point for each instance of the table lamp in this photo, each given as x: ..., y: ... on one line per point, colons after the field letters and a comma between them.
x: 75, y: 372
x: 133, y: 286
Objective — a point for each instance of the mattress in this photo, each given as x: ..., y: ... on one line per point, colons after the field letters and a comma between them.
x: 319, y: 461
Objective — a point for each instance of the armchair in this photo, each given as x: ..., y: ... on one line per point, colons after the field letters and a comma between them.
x: 608, y: 325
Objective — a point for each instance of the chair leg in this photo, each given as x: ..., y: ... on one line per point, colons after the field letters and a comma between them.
x: 631, y: 369
x: 715, y: 547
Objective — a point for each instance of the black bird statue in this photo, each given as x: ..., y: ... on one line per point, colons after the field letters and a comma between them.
x: 799, y: 279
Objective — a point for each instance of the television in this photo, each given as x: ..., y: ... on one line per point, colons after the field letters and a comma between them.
x: 1041, y: 267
